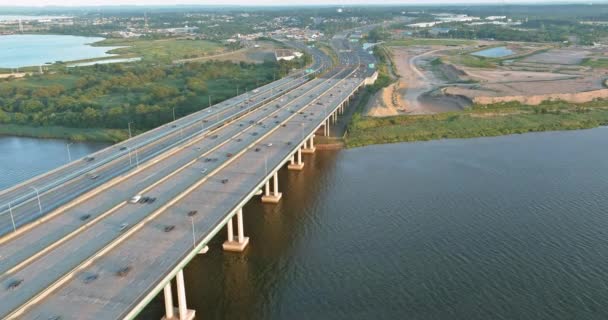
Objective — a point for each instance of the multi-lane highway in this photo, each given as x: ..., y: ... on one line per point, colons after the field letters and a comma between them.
x: 36, y: 197
x: 108, y: 257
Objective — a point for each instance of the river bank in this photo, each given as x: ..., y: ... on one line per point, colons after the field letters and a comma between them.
x: 72, y: 134
x: 477, y: 121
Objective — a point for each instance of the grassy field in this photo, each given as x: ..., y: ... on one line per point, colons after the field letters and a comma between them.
x: 429, y: 42
x: 164, y: 50
x: 595, y: 63
x: 74, y: 134
x: 495, y: 120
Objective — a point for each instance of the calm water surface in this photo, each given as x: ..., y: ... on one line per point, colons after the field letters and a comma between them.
x: 34, y: 50
x: 512, y: 227
x: 494, y: 52
x: 23, y: 158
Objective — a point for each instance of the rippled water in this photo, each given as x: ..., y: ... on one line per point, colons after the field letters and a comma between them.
x: 23, y: 158
x: 512, y: 227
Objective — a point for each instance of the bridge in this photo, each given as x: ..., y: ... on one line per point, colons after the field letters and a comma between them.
x: 75, y: 245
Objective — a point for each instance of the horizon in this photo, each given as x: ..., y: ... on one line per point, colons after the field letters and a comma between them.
x: 25, y: 4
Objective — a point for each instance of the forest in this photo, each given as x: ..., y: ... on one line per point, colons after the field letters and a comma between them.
x: 111, y: 95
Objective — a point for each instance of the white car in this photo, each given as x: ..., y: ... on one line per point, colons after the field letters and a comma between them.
x: 135, y: 198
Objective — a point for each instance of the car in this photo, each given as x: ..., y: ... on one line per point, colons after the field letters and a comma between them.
x: 93, y: 176
x: 224, y: 181
x: 151, y: 200
x: 174, y: 126
x: 192, y: 213
x: 229, y: 154
x: 90, y: 278
x: 257, y: 149
x: 123, y: 148
x: 135, y: 198
x: 89, y: 159
x: 254, y: 133
x: 288, y: 143
x: 283, y: 125
x: 14, y: 284
x: 214, y: 136
x: 122, y: 272
x: 169, y: 228
x: 204, y: 170
x: 269, y: 144
x: 123, y: 226
x: 85, y: 217
x: 239, y: 140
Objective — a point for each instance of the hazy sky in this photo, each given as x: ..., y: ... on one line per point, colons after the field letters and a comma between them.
x: 255, y: 2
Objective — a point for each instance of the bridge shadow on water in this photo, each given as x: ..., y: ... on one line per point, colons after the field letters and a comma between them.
x: 248, y: 285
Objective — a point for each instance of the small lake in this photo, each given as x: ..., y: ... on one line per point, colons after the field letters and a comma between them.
x: 494, y: 52
x: 33, y: 50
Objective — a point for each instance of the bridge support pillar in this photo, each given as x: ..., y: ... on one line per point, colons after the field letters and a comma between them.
x: 309, y: 146
x: 275, y: 197
x: 296, y: 165
x: 241, y: 241
x: 183, y: 313
x: 326, y: 128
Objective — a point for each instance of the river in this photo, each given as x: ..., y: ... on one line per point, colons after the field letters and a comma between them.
x: 23, y: 158
x: 509, y: 227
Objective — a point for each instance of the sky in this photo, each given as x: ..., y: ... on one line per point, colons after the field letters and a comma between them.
x: 256, y: 2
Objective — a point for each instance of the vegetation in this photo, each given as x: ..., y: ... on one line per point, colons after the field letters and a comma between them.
x: 478, y: 121
x: 165, y: 50
x: 595, y: 63
x: 474, y: 61
x: 111, y: 95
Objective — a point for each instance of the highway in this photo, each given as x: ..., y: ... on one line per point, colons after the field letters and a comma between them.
x: 19, y: 205
x: 76, y: 252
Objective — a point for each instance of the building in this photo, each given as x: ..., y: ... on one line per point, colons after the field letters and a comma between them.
x: 286, y: 54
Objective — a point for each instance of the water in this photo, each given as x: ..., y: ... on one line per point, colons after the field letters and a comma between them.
x: 494, y: 228
x: 494, y: 52
x: 34, y: 50
x: 511, y: 227
x: 24, y: 158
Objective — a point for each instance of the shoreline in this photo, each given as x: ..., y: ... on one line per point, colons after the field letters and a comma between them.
x: 477, y: 121
x: 57, y: 132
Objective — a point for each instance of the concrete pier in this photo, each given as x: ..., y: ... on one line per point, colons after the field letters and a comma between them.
x: 299, y: 165
x: 275, y: 196
x: 182, y: 311
x: 241, y: 241
x: 309, y: 146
